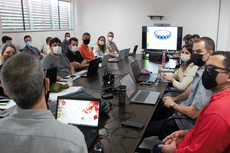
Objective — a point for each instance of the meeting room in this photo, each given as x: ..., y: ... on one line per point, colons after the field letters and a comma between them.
x: 124, y: 76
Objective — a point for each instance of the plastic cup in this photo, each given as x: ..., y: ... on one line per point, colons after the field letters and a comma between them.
x: 70, y: 82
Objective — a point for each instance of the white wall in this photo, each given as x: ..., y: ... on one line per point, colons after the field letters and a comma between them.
x: 126, y: 17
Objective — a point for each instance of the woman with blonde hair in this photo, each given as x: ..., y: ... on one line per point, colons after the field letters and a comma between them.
x: 100, y: 50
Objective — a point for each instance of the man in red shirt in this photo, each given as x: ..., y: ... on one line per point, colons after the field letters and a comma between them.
x: 211, y: 132
x: 84, y: 49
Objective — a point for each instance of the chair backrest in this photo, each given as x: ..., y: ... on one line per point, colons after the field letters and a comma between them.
x: 135, y: 49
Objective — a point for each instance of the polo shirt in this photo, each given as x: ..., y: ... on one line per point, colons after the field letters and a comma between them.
x: 112, y: 47
x: 74, y: 57
x: 86, y: 53
x: 34, y: 51
x: 211, y: 132
x: 65, y: 46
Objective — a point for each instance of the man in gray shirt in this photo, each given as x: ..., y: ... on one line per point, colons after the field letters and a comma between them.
x: 31, y: 128
x: 56, y: 59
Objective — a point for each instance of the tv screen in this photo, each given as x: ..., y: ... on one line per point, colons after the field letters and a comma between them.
x: 161, y: 38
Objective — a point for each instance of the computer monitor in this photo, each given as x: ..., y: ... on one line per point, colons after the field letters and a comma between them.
x: 161, y: 38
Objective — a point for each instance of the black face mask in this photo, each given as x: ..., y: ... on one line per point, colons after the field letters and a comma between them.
x: 86, y: 41
x: 197, y: 59
x: 209, y: 79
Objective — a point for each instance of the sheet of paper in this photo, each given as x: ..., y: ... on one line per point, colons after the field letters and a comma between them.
x: 10, y: 104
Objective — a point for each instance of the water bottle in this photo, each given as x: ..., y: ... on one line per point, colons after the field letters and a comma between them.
x: 163, y: 60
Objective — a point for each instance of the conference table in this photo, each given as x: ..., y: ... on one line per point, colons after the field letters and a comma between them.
x: 113, y: 136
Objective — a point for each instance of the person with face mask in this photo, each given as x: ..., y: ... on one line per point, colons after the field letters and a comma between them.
x: 100, y: 50
x: 56, y: 59
x: 65, y: 43
x: 186, y: 71
x: 31, y: 49
x: 211, y: 132
x: 193, y: 100
x: 84, y: 49
x: 113, y: 51
x: 75, y: 58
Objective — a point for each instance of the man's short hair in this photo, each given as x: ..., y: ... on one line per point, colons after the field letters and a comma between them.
x: 72, y: 39
x: 209, y: 43
x: 23, y: 79
x: 110, y: 33
x: 48, y: 39
x: 5, y: 38
x: 187, y: 37
x: 85, y: 34
x: 54, y: 40
x: 226, y: 54
x: 67, y: 33
x: 26, y: 36
x: 195, y: 36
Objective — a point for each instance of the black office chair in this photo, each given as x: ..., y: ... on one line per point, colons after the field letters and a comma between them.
x: 134, y: 51
x: 162, y: 134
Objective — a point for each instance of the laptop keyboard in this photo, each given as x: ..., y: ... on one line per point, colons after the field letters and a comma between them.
x: 89, y: 137
x: 142, y: 96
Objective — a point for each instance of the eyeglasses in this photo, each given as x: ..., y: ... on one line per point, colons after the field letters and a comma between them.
x: 211, y: 68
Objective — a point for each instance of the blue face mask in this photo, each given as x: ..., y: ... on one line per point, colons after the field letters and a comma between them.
x: 74, y: 48
x: 28, y: 43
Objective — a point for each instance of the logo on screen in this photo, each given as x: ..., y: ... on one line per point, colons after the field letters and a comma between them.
x: 162, y: 34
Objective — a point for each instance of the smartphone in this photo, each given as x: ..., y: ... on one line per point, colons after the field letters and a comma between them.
x: 133, y: 124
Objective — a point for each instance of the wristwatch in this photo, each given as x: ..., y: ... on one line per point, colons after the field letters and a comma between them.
x: 172, y: 104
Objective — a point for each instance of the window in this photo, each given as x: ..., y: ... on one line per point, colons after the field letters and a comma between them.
x: 31, y: 15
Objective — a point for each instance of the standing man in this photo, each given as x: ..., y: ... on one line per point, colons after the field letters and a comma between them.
x: 30, y: 49
x: 65, y: 43
x: 56, y: 59
x: 75, y: 58
x: 111, y: 46
x: 211, y: 132
x: 84, y: 49
x: 31, y: 127
x: 6, y: 39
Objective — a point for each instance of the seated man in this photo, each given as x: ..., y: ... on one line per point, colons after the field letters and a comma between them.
x: 75, y: 58
x: 30, y: 49
x: 84, y: 49
x: 6, y: 39
x: 211, y: 132
x: 65, y: 43
x: 46, y: 48
x: 193, y: 100
x: 31, y: 127
x: 111, y: 46
x: 56, y: 59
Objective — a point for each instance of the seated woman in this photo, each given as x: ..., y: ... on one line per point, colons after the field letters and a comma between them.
x: 6, y: 52
x: 185, y: 73
x: 100, y: 50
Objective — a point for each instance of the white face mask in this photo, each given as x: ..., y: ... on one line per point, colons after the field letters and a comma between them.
x: 74, y: 48
x: 185, y: 57
x: 67, y: 38
x: 101, y: 43
x: 110, y: 38
x: 57, y: 50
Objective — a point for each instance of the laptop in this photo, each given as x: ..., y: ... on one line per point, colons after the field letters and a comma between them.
x: 138, y: 96
x: 142, y: 77
x: 134, y: 51
x: 119, y: 58
x: 126, y: 54
x: 93, y: 68
x: 104, y: 61
x: 83, y: 113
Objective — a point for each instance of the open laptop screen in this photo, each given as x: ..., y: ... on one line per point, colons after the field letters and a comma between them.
x: 130, y: 84
x: 78, y: 112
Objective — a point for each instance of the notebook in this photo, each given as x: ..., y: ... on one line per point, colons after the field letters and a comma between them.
x: 81, y: 112
x: 93, y: 68
x: 142, y: 77
x: 119, y: 58
x: 126, y: 54
x: 104, y: 61
x: 138, y: 96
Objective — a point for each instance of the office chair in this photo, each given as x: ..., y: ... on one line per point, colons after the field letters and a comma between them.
x: 134, y: 51
x: 162, y: 134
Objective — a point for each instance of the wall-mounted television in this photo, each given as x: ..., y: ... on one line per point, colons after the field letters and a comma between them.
x: 161, y: 38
